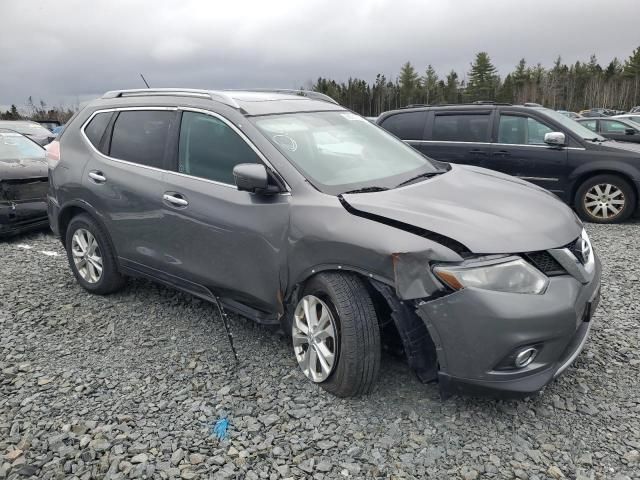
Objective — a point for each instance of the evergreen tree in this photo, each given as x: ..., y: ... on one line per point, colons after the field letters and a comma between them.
x: 632, y: 72
x: 430, y: 85
x: 593, y: 66
x: 632, y: 65
x: 409, y: 84
x: 505, y: 93
x: 483, y: 79
x: 452, y: 88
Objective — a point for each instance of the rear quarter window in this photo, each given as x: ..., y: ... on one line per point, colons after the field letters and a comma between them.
x: 96, y: 128
x: 406, y: 125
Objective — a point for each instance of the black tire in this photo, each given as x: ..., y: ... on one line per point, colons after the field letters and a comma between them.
x: 630, y: 199
x: 358, y: 331
x: 111, y: 280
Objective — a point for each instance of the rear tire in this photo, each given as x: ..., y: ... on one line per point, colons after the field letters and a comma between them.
x: 357, y: 334
x: 605, y: 198
x: 91, y: 256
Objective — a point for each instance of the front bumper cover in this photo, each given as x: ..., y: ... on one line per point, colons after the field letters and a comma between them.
x: 474, y: 330
x: 21, y: 216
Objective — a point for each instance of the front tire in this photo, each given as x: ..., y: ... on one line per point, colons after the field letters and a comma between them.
x: 336, y: 336
x: 91, y: 257
x: 605, y: 199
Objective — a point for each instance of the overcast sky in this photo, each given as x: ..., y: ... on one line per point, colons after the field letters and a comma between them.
x: 69, y: 50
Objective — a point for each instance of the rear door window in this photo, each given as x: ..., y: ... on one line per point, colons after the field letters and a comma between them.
x: 612, y: 126
x: 461, y: 128
x: 140, y: 136
x: 209, y: 148
x: 96, y: 128
x: 521, y: 130
x: 406, y: 125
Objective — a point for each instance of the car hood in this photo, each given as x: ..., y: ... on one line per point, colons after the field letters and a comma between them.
x: 628, y: 146
x: 486, y: 211
x: 23, y: 168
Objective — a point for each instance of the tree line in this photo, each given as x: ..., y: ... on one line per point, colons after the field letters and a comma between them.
x: 573, y: 87
x: 38, y: 112
x: 562, y: 87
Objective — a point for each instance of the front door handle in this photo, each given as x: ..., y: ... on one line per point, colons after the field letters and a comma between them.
x: 97, y: 176
x: 175, y: 199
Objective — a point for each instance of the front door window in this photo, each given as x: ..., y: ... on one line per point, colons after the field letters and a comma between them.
x: 520, y: 130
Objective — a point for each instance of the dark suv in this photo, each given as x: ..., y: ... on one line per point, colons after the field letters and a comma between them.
x: 291, y: 209
x: 599, y: 177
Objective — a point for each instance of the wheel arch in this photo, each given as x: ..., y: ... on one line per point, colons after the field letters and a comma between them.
x: 581, y: 177
x: 400, y: 326
x: 73, y: 209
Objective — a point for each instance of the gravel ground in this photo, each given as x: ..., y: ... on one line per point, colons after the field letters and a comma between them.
x: 129, y: 386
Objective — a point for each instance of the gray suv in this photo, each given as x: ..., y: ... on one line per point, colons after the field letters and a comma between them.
x: 289, y: 209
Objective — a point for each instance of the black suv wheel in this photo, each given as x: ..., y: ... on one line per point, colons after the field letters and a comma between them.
x: 605, y: 199
x: 335, y: 334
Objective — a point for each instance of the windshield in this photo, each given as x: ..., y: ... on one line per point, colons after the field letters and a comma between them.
x: 570, y: 124
x: 14, y: 146
x: 339, y: 151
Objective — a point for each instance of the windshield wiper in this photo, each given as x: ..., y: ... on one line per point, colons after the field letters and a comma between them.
x: 418, y: 177
x: 367, y: 190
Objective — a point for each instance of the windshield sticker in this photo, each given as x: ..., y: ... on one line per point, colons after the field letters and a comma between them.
x: 286, y: 141
x: 352, y: 117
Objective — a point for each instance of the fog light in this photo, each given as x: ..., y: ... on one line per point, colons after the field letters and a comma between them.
x: 525, y: 357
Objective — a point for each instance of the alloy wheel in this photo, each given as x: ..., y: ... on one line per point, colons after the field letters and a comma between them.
x: 86, y: 255
x: 604, y: 201
x: 314, y: 338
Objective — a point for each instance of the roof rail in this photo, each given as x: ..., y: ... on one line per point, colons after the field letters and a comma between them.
x: 479, y: 102
x: 302, y: 93
x: 217, y: 95
x: 416, y: 105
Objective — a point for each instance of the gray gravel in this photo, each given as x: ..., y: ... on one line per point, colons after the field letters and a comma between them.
x: 128, y: 386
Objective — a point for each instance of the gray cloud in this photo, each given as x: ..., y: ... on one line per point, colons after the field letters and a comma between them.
x: 77, y: 49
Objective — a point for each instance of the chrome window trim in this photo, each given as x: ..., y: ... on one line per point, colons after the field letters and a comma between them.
x: 490, y: 143
x: 162, y: 170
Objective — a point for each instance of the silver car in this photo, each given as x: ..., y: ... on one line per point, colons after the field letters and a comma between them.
x: 289, y: 209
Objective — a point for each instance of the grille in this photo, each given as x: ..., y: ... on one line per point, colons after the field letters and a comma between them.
x: 544, y: 262
x: 573, y: 248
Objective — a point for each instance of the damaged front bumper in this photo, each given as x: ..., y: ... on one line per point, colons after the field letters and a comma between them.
x: 477, y: 334
x: 21, y: 216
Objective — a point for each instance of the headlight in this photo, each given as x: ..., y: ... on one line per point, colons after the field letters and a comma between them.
x: 513, y: 275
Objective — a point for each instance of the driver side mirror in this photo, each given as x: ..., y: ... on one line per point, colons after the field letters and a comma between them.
x: 253, y: 178
x: 555, y: 139
x: 630, y: 131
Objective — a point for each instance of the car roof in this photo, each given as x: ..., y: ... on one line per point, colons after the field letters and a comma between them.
x: 15, y: 123
x: 248, y: 102
x: 621, y: 120
x: 461, y: 106
x: 24, y: 126
x: 12, y: 132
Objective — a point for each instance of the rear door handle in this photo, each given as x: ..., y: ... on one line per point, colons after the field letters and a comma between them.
x: 175, y: 199
x: 97, y: 176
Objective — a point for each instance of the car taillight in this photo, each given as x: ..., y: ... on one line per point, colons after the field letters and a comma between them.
x: 52, y: 153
